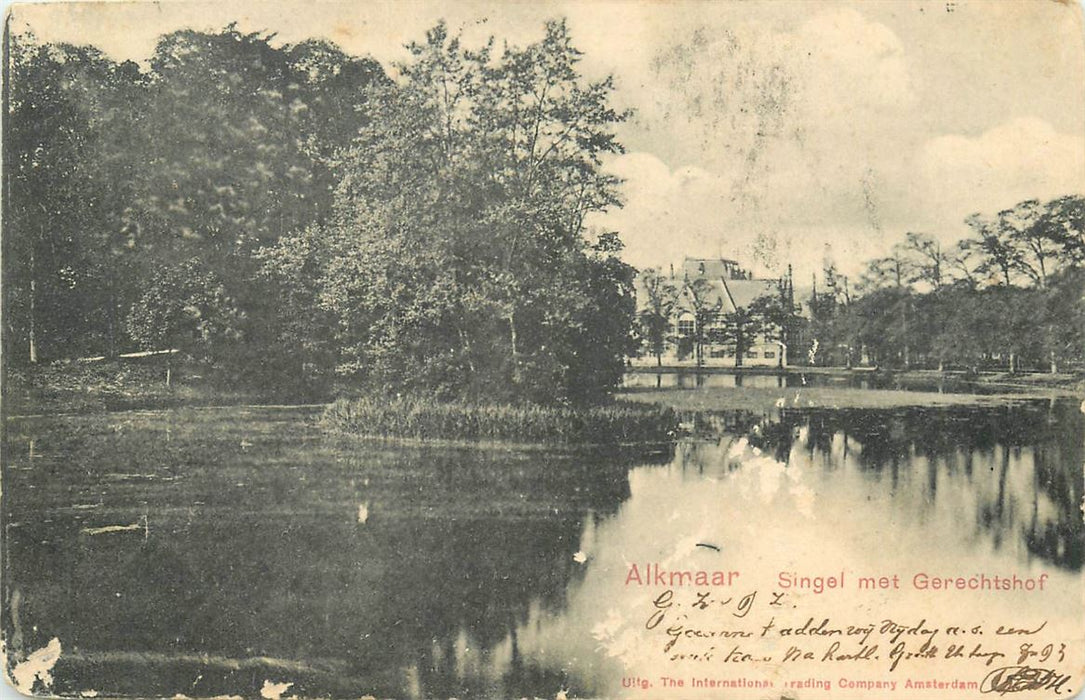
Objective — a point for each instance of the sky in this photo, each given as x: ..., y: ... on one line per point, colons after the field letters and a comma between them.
x: 770, y: 132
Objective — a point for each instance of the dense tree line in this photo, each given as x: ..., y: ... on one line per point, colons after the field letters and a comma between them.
x: 289, y: 213
x: 1009, y: 295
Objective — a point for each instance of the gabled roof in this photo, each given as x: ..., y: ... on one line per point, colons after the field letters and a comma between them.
x: 717, y: 295
x: 743, y: 292
x: 729, y: 293
x: 732, y: 295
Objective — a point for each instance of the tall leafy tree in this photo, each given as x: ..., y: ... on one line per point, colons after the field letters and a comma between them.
x: 925, y: 262
x: 460, y: 263
x: 705, y: 306
x: 1063, y: 222
x: 775, y: 317
x: 654, y: 317
x: 999, y: 253
x: 1024, y: 226
x: 238, y: 142
x: 740, y: 328
x: 63, y: 248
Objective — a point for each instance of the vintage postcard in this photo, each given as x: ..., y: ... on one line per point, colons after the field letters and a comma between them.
x: 612, y: 349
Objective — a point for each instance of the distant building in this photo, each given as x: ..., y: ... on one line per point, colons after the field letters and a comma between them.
x: 725, y: 289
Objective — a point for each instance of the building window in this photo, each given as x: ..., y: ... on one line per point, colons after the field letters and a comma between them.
x: 716, y: 353
x: 685, y: 326
x: 752, y: 354
x: 769, y: 354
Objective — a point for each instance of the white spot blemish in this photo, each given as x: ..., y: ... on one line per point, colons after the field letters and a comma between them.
x: 142, y: 524
x: 363, y: 512
x: 37, y: 667
x: 274, y: 691
x: 134, y: 527
x: 580, y: 557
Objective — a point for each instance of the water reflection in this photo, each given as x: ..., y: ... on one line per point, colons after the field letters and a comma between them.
x: 1011, y: 472
x: 946, y: 491
x: 268, y: 552
x: 695, y: 380
x: 796, y: 378
x: 349, y: 568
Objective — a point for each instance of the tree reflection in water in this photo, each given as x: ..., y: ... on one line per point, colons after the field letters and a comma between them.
x: 474, y: 572
x: 1022, y: 462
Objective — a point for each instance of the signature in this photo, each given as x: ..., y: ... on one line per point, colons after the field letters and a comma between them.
x: 1015, y: 679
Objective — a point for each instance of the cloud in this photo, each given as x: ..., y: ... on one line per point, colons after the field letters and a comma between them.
x: 690, y: 211
x: 1020, y: 159
x: 668, y: 213
x: 850, y: 63
x: 788, y: 143
x: 770, y: 129
x: 849, y: 216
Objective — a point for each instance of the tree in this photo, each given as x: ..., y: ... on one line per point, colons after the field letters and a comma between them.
x: 964, y: 263
x: 655, y: 317
x: 926, y: 263
x: 65, y: 262
x: 739, y: 328
x: 1063, y: 222
x: 894, y: 273
x: 998, y: 251
x: 184, y: 308
x: 774, y: 317
x: 1063, y: 318
x: 705, y: 306
x: 237, y: 148
x: 1024, y: 226
x: 458, y: 262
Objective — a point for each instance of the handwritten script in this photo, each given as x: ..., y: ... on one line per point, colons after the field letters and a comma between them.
x: 765, y: 633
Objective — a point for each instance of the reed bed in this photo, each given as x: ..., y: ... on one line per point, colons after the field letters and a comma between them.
x: 616, y: 423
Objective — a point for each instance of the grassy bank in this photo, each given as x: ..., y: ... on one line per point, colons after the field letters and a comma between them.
x: 112, y: 385
x: 618, y: 423
x: 761, y: 400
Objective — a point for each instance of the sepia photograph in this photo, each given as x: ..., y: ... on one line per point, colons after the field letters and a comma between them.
x: 616, y: 349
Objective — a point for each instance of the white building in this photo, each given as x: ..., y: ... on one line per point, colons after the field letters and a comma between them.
x: 724, y: 290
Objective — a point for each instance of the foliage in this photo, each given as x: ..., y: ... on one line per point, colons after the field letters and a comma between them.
x: 292, y: 216
x: 64, y: 270
x: 654, y: 318
x: 118, y: 175
x: 616, y: 423
x: 457, y: 263
x: 705, y: 307
x: 1011, y: 295
x: 739, y: 328
x: 186, y: 308
x: 775, y: 317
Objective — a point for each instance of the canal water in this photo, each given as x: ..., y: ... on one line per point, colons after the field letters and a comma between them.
x: 223, y: 551
x: 760, y: 378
